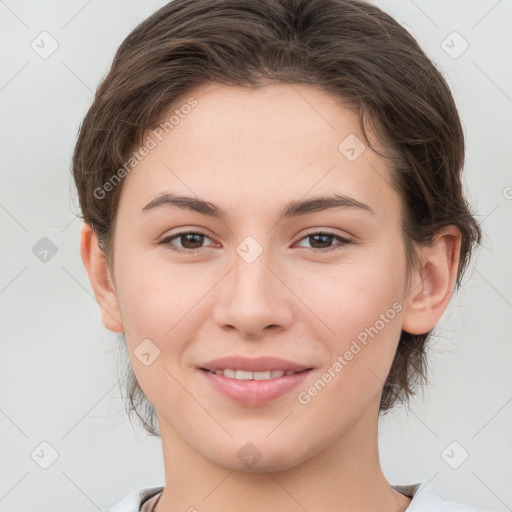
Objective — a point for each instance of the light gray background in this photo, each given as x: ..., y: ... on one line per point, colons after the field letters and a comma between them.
x: 59, y: 380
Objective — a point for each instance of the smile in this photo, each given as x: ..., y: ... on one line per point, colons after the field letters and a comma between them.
x: 247, y: 375
x: 254, y: 388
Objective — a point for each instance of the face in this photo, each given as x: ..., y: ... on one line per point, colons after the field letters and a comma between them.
x: 319, y: 287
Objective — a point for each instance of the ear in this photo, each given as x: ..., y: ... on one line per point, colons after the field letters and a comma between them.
x: 100, y: 278
x: 431, y: 285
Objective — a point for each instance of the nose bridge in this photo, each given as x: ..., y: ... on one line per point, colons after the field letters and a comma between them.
x: 252, y: 278
x: 253, y: 297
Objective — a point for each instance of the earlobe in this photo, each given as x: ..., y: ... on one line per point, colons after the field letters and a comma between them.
x: 101, y: 281
x: 433, y: 283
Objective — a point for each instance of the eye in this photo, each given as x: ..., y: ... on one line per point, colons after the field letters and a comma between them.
x: 323, y: 238
x: 190, y: 240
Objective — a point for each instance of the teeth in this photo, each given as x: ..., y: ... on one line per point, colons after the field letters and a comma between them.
x: 262, y: 375
x: 245, y: 375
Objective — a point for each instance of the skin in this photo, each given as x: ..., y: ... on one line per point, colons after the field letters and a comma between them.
x: 251, y: 152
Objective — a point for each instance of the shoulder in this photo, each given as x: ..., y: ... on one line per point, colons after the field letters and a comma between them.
x: 424, y: 499
x: 133, y: 501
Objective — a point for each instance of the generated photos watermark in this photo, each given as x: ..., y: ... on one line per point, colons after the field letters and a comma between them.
x: 342, y: 360
x: 151, y: 141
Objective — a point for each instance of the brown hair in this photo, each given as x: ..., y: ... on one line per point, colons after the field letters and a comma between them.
x: 347, y: 48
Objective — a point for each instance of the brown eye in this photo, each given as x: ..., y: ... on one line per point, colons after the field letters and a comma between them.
x: 322, y: 241
x: 190, y: 241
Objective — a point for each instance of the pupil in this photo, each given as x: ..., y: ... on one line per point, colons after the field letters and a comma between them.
x: 193, y: 235
x: 322, y: 236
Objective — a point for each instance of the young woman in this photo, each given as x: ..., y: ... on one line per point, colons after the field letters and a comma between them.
x: 274, y: 219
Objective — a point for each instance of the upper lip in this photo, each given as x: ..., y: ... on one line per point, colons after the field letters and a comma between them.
x: 259, y: 364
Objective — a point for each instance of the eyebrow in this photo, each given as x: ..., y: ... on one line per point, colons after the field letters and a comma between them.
x: 294, y: 208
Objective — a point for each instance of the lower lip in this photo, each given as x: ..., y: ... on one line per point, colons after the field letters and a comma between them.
x: 255, y: 392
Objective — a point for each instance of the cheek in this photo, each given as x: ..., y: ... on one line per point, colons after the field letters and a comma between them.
x: 157, y: 300
x: 161, y: 304
x: 367, y: 327
x: 355, y: 294
x: 361, y: 303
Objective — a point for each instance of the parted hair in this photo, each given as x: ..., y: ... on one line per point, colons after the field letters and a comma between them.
x: 348, y: 48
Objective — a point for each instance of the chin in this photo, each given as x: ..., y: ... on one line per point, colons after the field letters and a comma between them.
x: 257, y: 457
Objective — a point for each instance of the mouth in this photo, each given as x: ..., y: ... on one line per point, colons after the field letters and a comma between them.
x: 253, y: 381
x: 248, y: 375
x: 254, y: 388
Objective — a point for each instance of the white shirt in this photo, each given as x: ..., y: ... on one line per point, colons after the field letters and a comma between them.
x: 423, y: 500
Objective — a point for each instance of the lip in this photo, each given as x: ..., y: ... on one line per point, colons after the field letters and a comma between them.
x: 254, y: 392
x: 259, y: 364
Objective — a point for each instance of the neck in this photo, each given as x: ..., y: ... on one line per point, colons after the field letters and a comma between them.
x: 345, y: 475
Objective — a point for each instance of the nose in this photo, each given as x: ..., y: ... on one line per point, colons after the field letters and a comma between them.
x: 255, y: 297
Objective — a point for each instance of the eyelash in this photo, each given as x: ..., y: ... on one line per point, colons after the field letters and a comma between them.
x: 343, y: 240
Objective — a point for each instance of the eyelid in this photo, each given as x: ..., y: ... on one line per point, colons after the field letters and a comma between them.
x: 325, y: 231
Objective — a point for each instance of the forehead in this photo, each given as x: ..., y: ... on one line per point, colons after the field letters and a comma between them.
x: 255, y: 147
